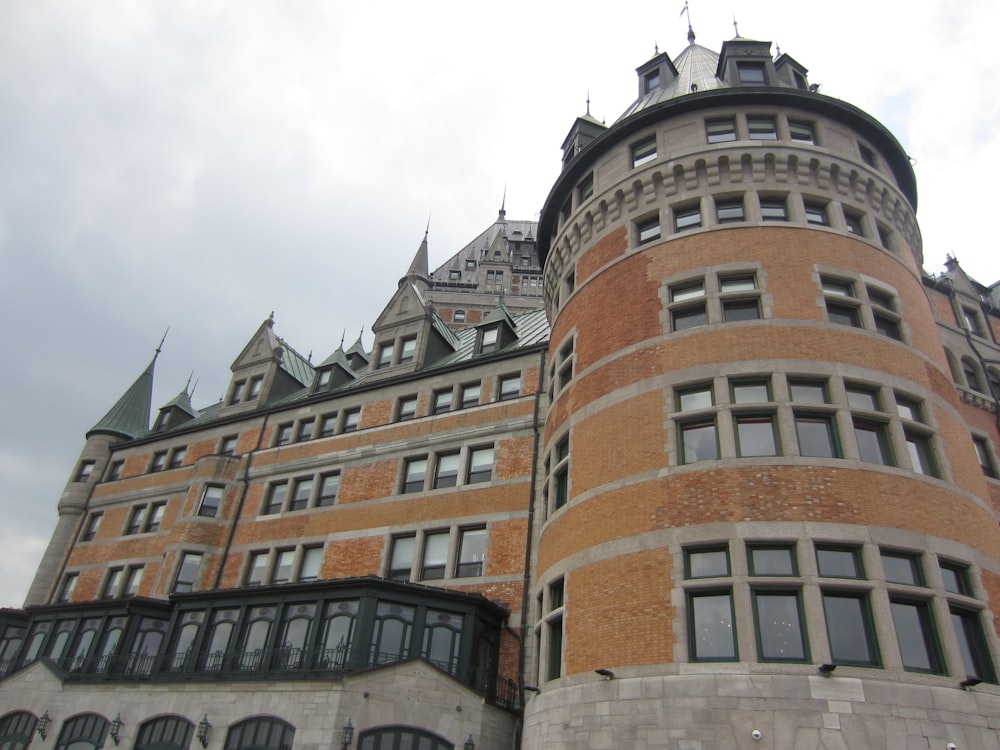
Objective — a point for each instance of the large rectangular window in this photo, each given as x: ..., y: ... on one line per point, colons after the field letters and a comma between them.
x: 755, y: 435
x: 643, y: 151
x: 401, y: 557
x: 329, y: 486
x: 435, y: 559
x: 302, y: 493
x: 471, y: 552
x: 276, y: 495
x: 187, y: 572
x: 816, y: 435
x: 762, y: 128
x: 915, y: 634
x: 711, y: 626
x: 780, y: 625
x: 446, y: 470
x: 849, y: 628
x: 414, y: 474
x: 721, y: 130
x: 211, y: 499
x: 480, y: 465
x: 698, y: 442
x: 972, y: 645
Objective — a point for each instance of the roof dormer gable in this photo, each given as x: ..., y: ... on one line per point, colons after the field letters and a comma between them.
x: 656, y: 73
x: 746, y: 62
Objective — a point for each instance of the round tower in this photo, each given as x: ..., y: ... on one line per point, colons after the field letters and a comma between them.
x: 760, y: 508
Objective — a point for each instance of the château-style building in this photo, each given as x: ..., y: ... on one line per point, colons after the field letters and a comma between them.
x: 701, y: 459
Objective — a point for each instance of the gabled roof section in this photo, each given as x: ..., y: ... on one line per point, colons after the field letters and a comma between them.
x: 129, y: 417
x: 295, y: 364
x: 263, y: 346
x: 181, y: 401
x: 407, y: 304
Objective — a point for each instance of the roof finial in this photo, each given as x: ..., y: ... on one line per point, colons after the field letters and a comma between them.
x: 159, y: 346
x: 188, y: 383
x: 194, y: 387
x: 502, y: 216
x: 690, y: 30
x: 735, y: 27
x: 428, y: 229
x: 342, y: 335
x: 656, y: 49
x: 588, y: 102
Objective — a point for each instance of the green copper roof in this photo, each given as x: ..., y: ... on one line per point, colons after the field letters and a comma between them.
x: 129, y: 417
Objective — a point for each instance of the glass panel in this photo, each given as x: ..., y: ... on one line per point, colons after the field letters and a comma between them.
x: 808, y: 393
x: 312, y: 560
x: 848, y: 628
x: 435, y: 555
x: 472, y: 552
x: 707, y: 563
x: 751, y: 393
x: 447, y: 470
x: 699, y: 443
x: 700, y: 398
x: 863, y: 398
x: 972, y: 645
x: 779, y: 624
x: 838, y: 563
x: 712, y: 632
x: 915, y: 636
x: 755, y: 436
x: 872, y: 444
x: 736, y: 310
x: 691, y: 291
x: 901, y: 569
x: 815, y: 437
x: 956, y: 579
x: 772, y: 561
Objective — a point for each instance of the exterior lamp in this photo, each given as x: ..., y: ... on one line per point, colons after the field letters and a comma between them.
x: 469, y: 744
x: 347, y: 734
x: 116, y: 727
x: 203, y: 727
x: 43, y: 725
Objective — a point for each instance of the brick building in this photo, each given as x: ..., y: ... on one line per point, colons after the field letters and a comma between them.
x: 728, y: 479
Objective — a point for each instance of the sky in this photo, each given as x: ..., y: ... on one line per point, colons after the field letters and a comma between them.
x: 196, y: 166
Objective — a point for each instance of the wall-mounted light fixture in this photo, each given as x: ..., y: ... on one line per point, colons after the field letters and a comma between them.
x: 532, y: 689
x: 116, y: 727
x: 347, y: 734
x: 826, y: 669
x: 43, y: 725
x: 469, y: 744
x: 607, y: 673
x: 203, y: 729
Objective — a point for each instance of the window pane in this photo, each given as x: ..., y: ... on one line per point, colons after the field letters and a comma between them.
x: 699, y: 443
x: 751, y: 393
x: 727, y: 211
x: 472, y: 551
x: 838, y: 563
x: 919, y: 449
x: 689, y: 291
x: 808, y: 393
x: 915, y: 636
x: 720, y: 131
x: 699, y: 398
x: 901, y: 569
x: 779, y: 626
x: 649, y: 230
x: 762, y: 129
x: 435, y: 555
x: 312, y: 561
x: 972, y: 645
x: 956, y: 579
x: 772, y: 561
x: 773, y: 210
x: 690, y: 318
x: 707, y: 563
x: 416, y: 470
x: 872, y: 444
x: 283, y: 566
x: 863, y: 398
x: 402, y: 557
x: 712, y: 632
x: 755, y: 436
x: 447, y: 470
x: 849, y: 629
x: 815, y: 436
x: 735, y: 310
x: 843, y: 315
x: 481, y: 465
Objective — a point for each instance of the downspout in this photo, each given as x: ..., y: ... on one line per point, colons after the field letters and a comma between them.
x: 239, y: 504
x: 526, y: 581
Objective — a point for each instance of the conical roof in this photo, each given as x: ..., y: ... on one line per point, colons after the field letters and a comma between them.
x: 129, y: 417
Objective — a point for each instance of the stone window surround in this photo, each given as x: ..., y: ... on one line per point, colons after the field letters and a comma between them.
x: 420, y: 535
x: 872, y: 584
x: 842, y: 415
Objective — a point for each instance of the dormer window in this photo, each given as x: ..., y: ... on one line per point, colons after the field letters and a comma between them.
x: 651, y: 81
x: 385, y: 354
x: 324, y: 378
x: 489, y: 343
x: 255, y: 386
x: 751, y: 73
x: 459, y: 316
x: 454, y: 275
x: 470, y: 265
x: 407, y: 350
x: 238, y: 389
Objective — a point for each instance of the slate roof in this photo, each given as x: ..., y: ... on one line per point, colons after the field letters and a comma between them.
x: 129, y: 417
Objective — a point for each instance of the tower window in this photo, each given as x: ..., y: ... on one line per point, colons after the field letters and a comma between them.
x: 751, y: 73
x: 802, y: 132
x: 762, y: 129
x: 643, y: 151
x: 651, y: 81
x: 729, y: 210
x: 648, y: 229
x: 721, y: 130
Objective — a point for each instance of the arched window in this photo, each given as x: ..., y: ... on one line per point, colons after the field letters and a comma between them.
x: 339, y: 622
x: 972, y: 378
x: 391, y: 633
x: 164, y: 733
x: 256, y: 638
x: 442, y: 639
x: 83, y: 732
x: 993, y: 375
x: 401, y: 738
x: 16, y: 730
x: 260, y: 733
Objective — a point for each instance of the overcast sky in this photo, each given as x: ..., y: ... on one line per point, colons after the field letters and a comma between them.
x: 196, y: 165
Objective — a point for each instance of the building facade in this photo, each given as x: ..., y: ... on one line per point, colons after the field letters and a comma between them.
x: 702, y: 459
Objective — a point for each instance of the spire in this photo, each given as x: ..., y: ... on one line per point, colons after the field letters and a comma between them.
x: 503, y: 205
x: 129, y: 417
x: 690, y: 30
x: 418, y: 266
